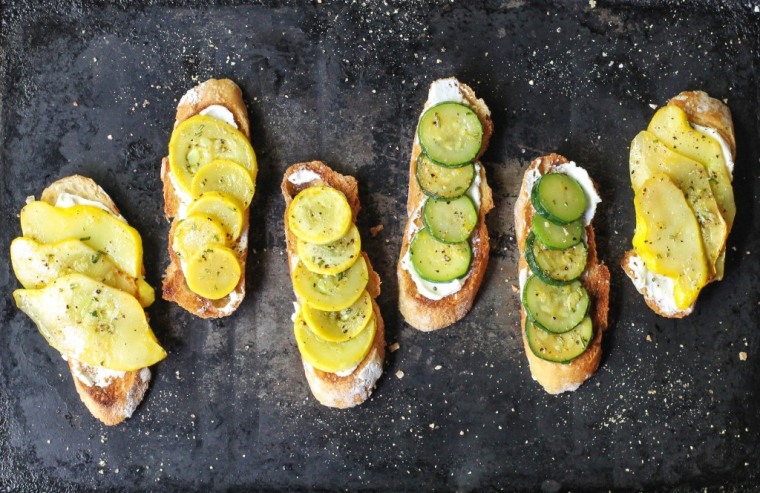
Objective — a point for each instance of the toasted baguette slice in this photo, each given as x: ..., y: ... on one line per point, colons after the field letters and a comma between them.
x: 212, y: 92
x: 556, y: 378
x: 702, y: 110
x: 110, y: 396
x: 420, y: 312
x: 331, y: 389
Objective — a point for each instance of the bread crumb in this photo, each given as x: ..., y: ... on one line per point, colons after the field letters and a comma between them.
x: 743, y: 356
x: 399, y: 374
x: 515, y: 289
x: 394, y: 347
x: 432, y: 426
x: 438, y: 367
x: 649, y: 337
x: 75, y: 103
x: 375, y: 230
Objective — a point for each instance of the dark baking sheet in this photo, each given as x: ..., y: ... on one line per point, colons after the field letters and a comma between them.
x: 91, y: 89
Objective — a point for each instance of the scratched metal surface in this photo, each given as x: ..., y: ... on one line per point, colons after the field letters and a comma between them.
x: 91, y: 89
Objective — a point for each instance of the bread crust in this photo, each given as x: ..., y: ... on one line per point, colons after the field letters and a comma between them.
x: 420, y: 312
x: 226, y: 93
x: 116, y: 401
x: 561, y: 377
x: 331, y: 389
x: 706, y: 111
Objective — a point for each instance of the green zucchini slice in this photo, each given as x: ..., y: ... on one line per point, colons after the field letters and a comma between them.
x: 557, y: 236
x: 441, y: 182
x: 450, y: 134
x: 555, y: 266
x: 436, y: 261
x: 450, y: 220
x: 555, y: 308
x: 560, y: 348
x: 559, y: 198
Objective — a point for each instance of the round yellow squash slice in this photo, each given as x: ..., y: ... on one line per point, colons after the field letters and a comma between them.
x: 341, y: 325
x: 330, y: 356
x: 319, y: 215
x: 200, y: 140
x: 195, y: 232
x: 223, y: 175
x: 331, y: 292
x: 213, y: 272
x: 227, y: 210
x: 334, y: 257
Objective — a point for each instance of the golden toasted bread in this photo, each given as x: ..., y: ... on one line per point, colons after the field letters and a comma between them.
x: 561, y: 377
x: 419, y: 311
x: 703, y: 110
x: 332, y: 389
x: 212, y: 92
x: 110, y: 396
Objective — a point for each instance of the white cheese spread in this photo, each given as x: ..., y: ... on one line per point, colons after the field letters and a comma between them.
x: 66, y: 200
x: 711, y: 132
x: 303, y: 176
x: 97, y: 376
x: 659, y: 288
x: 220, y: 113
x: 474, y: 191
x: 445, y: 90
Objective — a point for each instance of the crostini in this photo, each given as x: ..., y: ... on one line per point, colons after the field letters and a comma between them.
x: 81, y: 267
x: 445, y: 247
x: 681, y: 170
x: 209, y: 180
x: 564, y: 287
x: 338, y: 326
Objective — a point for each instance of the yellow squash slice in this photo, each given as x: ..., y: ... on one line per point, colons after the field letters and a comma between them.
x: 200, y: 140
x: 37, y: 265
x: 93, y: 226
x: 331, y: 293
x: 213, y: 272
x: 671, y: 125
x: 195, y: 232
x: 319, y: 215
x: 330, y: 356
x: 668, y: 238
x: 223, y: 175
x: 92, y: 322
x: 222, y: 207
x: 650, y: 156
x: 340, y: 325
x: 334, y: 257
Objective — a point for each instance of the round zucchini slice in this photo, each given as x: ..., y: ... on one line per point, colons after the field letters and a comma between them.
x: 555, y: 308
x: 450, y: 134
x: 441, y: 182
x: 555, y: 266
x: 450, y: 220
x: 557, y: 236
x: 436, y: 261
x: 559, y: 198
x: 319, y: 215
x: 559, y: 348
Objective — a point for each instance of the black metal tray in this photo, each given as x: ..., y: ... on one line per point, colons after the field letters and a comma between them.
x: 92, y: 89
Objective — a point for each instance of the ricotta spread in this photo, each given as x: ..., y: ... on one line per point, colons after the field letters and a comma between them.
x: 659, y: 288
x: 220, y: 113
x: 444, y: 91
x: 711, y: 132
x: 97, y: 376
x: 66, y: 200
x: 303, y: 176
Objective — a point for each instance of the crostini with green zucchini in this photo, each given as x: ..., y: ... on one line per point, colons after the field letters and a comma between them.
x: 445, y: 248
x: 564, y: 287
